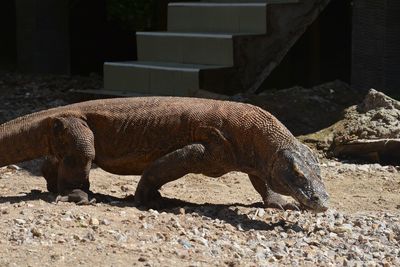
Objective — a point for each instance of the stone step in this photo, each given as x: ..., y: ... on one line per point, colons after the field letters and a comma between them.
x: 218, y: 17
x: 159, y: 78
x: 191, y: 48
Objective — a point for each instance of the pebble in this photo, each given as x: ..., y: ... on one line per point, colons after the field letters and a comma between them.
x: 261, y: 212
x: 14, y: 167
x: 19, y: 221
x: 105, y: 222
x: 94, y: 221
x: 36, y: 232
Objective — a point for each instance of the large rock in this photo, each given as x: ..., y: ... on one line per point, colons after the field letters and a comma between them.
x: 369, y: 130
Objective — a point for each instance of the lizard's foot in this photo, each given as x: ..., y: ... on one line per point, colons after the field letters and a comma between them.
x: 78, y: 196
x: 276, y: 201
x: 148, y: 198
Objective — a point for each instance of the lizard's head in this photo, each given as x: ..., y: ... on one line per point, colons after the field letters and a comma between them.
x: 297, y: 174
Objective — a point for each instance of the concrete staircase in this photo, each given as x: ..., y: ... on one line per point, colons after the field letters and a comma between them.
x: 217, y: 46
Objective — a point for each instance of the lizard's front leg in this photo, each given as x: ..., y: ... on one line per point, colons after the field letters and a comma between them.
x: 271, y: 199
x: 50, y: 173
x: 212, y: 157
x: 73, y: 146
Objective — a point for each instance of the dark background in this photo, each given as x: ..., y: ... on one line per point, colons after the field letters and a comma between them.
x: 336, y: 46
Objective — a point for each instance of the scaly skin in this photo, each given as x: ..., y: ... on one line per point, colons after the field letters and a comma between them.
x: 162, y: 139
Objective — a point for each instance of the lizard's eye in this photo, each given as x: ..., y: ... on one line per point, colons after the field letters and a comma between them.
x: 299, y: 174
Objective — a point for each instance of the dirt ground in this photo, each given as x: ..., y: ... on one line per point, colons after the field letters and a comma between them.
x: 213, y: 225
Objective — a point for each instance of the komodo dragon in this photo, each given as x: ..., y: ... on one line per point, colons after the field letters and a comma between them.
x: 162, y: 139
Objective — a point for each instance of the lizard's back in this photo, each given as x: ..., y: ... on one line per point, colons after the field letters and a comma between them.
x: 130, y: 133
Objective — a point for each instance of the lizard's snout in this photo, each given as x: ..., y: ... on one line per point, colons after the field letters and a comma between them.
x: 319, y: 202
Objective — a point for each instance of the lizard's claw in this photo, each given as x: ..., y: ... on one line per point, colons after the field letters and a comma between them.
x: 77, y: 196
x: 292, y: 206
x: 277, y: 202
x: 148, y: 198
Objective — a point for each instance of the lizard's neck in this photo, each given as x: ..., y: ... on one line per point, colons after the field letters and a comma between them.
x: 266, y: 138
x: 23, y: 139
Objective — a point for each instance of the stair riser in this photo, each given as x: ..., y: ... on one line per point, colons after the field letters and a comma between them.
x: 150, y: 81
x: 192, y: 50
x: 218, y: 18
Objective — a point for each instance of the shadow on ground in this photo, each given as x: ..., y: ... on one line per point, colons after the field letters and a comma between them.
x: 223, y: 212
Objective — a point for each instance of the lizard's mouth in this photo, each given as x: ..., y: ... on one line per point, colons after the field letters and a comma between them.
x: 315, y: 202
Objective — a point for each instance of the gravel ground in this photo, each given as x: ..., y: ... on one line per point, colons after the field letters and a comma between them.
x: 218, y: 222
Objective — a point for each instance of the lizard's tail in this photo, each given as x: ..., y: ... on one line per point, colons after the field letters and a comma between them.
x: 24, y: 138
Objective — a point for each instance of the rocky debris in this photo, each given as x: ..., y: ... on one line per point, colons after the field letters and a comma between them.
x: 369, y: 131
x: 342, y: 167
x: 272, y: 237
x: 377, y: 117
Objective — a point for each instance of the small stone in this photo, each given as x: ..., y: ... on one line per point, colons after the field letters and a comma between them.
x: 363, y: 167
x: 261, y: 212
x: 290, y: 243
x: 345, y: 228
x: 331, y: 164
x: 154, y: 212
x: 125, y: 188
x: 182, y: 211
x: 142, y: 259
x: 56, y: 257
x: 283, y: 234
x: 105, y: 222
x: 90, y: 236
x: 321, y: 232
x: 391, y: 169
x: 19, y: 221
x: 83, y: 224
x: 332, y: 235
x: 297, y: 228
x: 186, y: 244
x: 4, y: 210
x: 120, y: 237
x: 13, y: 167
x: 36, y: 232
x: 94, y: 221
x: 202, y: 241
x: 362, y: 239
